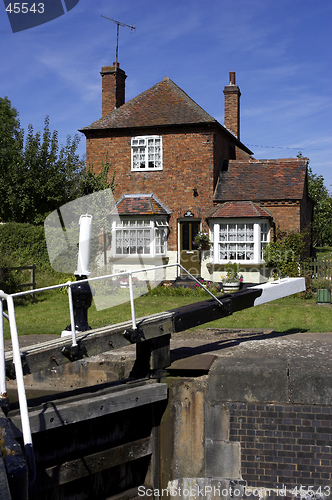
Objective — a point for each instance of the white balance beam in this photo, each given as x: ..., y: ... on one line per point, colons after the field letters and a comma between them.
x: 277, y: 289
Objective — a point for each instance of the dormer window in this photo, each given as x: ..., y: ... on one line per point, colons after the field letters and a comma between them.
x: 146, y: 153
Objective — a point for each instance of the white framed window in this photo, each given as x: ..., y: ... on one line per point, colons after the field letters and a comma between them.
x: 139, y: 236
x: 146, y: 153
x: 265, y: 237
x: 240, y: 240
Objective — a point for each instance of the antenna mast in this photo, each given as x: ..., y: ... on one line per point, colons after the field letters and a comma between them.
x: 117, y: 34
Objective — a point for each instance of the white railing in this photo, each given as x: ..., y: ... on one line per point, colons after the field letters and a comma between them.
x: 26, y: 431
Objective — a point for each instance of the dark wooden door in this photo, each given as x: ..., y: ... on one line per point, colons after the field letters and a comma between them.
x: 189, y: 255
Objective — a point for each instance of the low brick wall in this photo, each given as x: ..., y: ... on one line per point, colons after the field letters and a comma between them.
x: 283, y: 445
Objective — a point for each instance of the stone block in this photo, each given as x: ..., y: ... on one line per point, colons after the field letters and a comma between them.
x: 310, y: 382
x: 223, y: 459
x: 248, y: 379
x: 217, y: 421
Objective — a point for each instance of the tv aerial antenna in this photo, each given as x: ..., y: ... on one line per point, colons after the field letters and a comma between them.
x: 118, y: 24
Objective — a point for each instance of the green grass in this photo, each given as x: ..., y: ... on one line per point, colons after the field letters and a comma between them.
x: 50, y: 314
x: 322, y: 252
x: 283, y: 315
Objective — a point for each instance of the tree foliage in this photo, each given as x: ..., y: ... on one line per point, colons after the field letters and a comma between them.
x: 11, y: 146
x: 37, y: 174
x: 91, y: 182
x: 322, y: 227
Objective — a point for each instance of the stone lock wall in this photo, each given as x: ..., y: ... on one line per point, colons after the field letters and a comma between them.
x: 261, y: 425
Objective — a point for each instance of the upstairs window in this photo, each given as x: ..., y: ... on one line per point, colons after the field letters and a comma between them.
x: 146, y: 153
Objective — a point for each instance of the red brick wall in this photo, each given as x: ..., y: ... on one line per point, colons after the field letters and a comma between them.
x: 286, y: 215
x: 232, y: 109
x: 191, y: 159
x: 113, y: 88
x: 223, y: 150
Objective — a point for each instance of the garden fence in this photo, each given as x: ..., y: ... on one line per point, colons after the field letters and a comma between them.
x: 318, y: 268
x: 31, y: 283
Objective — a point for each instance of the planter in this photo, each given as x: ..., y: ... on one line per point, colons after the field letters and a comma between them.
x: 205, y: 247
x: 231, y: 287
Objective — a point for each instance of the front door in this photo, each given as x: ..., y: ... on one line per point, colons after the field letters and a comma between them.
x: 189, y: 255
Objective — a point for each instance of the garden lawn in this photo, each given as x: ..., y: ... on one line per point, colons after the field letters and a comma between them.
x: 290, y: 314
x: 323, y: 252
x: 50, y: 314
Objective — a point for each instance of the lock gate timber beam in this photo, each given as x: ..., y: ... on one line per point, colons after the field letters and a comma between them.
x: 48, y: 355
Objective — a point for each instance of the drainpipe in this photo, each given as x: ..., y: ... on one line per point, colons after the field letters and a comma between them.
x: 273, y: 224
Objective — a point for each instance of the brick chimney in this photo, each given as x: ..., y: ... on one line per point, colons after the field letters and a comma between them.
x: 113, y: 87
x: 232, y: 106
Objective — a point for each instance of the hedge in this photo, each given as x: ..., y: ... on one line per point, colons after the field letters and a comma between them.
x: 23, y: 245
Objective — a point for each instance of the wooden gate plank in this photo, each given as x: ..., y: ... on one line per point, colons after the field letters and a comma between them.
x: 80, y: 408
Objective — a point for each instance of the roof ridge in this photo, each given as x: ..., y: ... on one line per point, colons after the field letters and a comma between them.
x: 254, y: 207
x: 238, y: 209
x: 183, y: 109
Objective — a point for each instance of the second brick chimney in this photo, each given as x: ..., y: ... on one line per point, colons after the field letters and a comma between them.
x: 113, y: 88
x: 232, y: 106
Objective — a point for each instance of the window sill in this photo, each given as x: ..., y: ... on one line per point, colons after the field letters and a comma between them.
x: 146, y: 169
x: 138, y: 258
x: 244, y: 263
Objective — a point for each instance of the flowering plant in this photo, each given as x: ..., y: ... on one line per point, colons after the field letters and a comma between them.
x: 202, y: 239
x: 232, y: 275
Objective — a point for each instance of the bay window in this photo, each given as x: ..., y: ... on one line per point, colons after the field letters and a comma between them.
x: 139, y: 236
x: 240, y: 240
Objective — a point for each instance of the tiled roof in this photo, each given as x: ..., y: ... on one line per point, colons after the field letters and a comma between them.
x: 256, y: 180
x: 163, y: 104
x: 140, y: 204
x: 238, y: 209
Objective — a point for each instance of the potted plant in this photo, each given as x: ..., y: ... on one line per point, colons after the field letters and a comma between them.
x: 233, y: 280
x: 202, y: 240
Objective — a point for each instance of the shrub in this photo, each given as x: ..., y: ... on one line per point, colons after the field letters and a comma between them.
x: 320, y: 283
x: 284, y: 255
x: 25, y: 244
x: 178, y: 291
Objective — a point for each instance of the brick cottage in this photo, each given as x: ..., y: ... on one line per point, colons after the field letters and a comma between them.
x: 178, y: 171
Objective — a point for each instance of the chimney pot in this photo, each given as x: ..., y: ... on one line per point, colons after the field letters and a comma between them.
x: 232, y: 77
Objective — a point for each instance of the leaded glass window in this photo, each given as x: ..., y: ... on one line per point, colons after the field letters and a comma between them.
x: 143, y: 236
x: 265, y: 237
x: 236, y: 241
x: 240, y: 240
x: 146, y: 153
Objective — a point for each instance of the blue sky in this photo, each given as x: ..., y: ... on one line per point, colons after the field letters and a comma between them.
x: 279, y: 49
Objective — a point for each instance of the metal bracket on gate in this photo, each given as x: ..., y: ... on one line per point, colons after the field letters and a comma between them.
x: 227, y: 306
x: 134, y: 335
x: 74, y: 353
